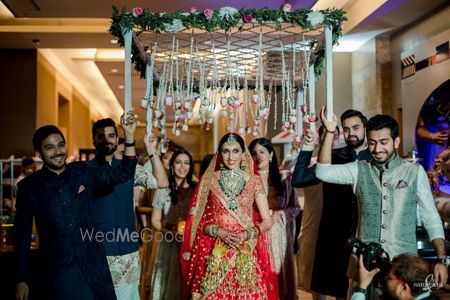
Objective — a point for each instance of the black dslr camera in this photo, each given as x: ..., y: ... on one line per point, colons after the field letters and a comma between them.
x: 374, y: 256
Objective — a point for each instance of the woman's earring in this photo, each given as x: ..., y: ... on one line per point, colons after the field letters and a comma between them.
x: 222, y: 167
x: 270, y: 160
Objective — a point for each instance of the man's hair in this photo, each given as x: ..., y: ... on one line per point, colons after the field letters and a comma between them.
x: 413, y: 270
x: 42, y: 133
x: 27, y: 162
x: 383, y: 121
x: 354, y: 113
x: 108, y: 122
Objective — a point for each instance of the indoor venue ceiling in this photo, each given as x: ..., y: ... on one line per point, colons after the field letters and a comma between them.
x: 73, y: 35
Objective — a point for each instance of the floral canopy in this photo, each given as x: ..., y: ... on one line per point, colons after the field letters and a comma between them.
x: 239, y: 61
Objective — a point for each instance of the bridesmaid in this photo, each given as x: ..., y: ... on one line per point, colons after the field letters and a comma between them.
x: 284, y: 207
x: 168, y: 211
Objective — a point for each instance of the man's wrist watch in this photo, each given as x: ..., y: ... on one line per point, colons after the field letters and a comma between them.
x: 129, y: 144
x: 445, y: 261
x: 359, y: 290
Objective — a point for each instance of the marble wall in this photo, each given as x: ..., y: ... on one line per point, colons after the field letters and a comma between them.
x: 371, y: 72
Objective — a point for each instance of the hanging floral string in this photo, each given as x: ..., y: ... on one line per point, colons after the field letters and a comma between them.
x: 283, y: 87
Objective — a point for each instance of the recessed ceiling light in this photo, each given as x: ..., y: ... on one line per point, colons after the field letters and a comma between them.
x: 114, y: 70
x: 114, y: 41
x: 121, y: 87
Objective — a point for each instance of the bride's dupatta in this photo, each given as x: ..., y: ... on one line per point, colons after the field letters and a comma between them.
x: 197, y: 246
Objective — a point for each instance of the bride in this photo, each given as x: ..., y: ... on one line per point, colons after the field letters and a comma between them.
x: 224, y: 255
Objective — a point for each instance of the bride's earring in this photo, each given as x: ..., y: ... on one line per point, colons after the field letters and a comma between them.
x: 243, y: 163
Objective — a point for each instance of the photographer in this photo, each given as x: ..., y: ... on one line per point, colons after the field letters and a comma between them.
x: 408, y: 278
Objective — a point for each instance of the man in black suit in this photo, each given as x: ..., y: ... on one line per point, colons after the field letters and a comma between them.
x: 72, y: 263
x: 337, y: 219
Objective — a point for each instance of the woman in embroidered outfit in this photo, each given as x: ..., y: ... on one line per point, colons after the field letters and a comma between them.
x: 167, y: 281
x: 284, y: 207
x: 224, y: 255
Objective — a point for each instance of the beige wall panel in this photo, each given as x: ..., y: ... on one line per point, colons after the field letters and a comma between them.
x: 47, y: 99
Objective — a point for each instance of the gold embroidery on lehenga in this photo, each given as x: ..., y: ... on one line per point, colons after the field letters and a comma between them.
x: 217, y: 266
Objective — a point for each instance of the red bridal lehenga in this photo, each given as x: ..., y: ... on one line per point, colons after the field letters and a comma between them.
x: 211, y: 269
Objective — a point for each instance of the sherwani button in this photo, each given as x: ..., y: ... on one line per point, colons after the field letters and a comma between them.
x: 385, y: 184
x: 383, y: 241
x: 385, y: 197
x: 384, y: 211
x: 383, y: 226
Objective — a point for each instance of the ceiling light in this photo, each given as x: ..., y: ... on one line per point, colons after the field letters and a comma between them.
x: 114, y: 41
x: 114, y: 70
x: 121, y: 87
x: 110, y: 55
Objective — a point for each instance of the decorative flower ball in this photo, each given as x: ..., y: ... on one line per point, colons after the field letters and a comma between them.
x: 159, y: 114
x: 205, y: 102
x: 248, y: 19
x: 137, y: 11
x: 223, y: 102
x: 168, y: 101
x: 287, y: 7
x: 144, y: 103
x: 208, y: 13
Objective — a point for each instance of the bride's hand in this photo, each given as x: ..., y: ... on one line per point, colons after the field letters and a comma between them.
x: 232, y: 239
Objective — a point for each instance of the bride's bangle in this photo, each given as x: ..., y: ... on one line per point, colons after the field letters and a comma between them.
x: 253, y: 232
x: 212, y: 230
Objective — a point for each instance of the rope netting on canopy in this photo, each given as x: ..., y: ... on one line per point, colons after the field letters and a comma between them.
x: 239, y: 64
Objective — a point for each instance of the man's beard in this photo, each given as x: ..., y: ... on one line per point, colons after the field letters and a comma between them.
x: 105, y: 150
x: 49, y: 163
x: 354, y: 143
x: 389, y: 156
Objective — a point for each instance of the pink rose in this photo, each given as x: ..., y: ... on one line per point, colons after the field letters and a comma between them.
x: 208, y: 13
x: 192, y: 10
x: 312, y: 119
x: 303, y: 109
x: 248, y: 19
x: 287, y: 7
x: 137, y: 11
